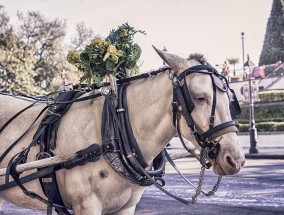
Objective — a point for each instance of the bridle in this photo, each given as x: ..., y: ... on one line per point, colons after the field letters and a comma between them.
x: 183, y: 105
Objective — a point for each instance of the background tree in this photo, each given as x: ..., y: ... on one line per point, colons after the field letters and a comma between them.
x: 82, y: 37
x: 233, y: 61
x: 16, y: 72
x: 46, y: 37
x: 33, y: 53
x: 79, y: 40
x: 273, y: 45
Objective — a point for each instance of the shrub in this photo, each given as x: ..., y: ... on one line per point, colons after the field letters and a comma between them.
x: 271, y: 96
x: 263, y: 126
x: 264, y: 112
x: 246, y: 121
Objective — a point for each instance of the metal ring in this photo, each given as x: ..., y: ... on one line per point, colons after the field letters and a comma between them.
x: 44, y: 155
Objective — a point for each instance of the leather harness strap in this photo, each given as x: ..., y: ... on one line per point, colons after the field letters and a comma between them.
x: 47, y: 142
x: 126, y: 153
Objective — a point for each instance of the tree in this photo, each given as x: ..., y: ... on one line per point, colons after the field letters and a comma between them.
x: 82, y: 37
x: 273, y: 44
x: 16, y: 73
x: 33, y: 54
x: 48, y: 38
x: 4, y: 20
x: 233, y: 61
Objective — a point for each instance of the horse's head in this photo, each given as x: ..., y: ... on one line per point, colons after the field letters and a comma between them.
x: 204, y: 100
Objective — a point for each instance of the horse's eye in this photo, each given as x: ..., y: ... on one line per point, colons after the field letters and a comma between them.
x: 200, y: 99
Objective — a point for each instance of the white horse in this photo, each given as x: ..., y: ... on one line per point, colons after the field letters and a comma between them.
x: 95, y: 188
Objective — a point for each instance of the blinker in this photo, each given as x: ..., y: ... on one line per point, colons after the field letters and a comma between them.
x: 220, y: 83
x: 235, y: 108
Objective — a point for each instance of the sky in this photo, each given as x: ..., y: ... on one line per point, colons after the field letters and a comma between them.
x: 210, y: 27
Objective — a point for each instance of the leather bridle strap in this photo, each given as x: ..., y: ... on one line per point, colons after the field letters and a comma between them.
x: 182, y: 102
x: 208, y: 164
x: 213, y: 110
x: 219, y: 130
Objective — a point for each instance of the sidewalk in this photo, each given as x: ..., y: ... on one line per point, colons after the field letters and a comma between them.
x: 270, y: 145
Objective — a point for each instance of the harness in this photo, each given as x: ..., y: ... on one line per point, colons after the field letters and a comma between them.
x: 122, y: 151
x: 119, y: 146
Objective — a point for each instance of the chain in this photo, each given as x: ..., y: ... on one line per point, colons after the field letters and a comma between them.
x: 201, y: 178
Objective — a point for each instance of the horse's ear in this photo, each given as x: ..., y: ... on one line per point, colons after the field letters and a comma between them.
x: 175, y: 62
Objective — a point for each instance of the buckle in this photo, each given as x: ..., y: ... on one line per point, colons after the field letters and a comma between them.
x: 110, y: 146
x: 212, y: 119
x: 49, y: 101
x: 175, y: 81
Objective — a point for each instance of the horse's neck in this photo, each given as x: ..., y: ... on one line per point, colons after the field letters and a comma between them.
x: 150, y: 111
x: 10, y: 105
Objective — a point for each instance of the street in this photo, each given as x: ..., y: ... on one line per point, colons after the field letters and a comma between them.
x: 257, y: 189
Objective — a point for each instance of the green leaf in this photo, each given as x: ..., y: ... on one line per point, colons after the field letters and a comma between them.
x: 110, y: 65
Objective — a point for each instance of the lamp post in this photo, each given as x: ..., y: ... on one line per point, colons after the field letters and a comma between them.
x: 165, y: 50
x: 252, y: 129
x: 243, y: 47
x: 243, y: 53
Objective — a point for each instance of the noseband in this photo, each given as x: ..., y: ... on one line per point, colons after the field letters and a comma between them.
x: 183, y: 104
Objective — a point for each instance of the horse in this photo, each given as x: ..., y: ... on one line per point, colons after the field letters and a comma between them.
x: 95, y: 188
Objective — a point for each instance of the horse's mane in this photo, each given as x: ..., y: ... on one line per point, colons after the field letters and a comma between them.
x: 197, y: 56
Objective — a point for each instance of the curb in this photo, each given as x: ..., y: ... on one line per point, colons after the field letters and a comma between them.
x: 263, y: 133
x: 264, y: 156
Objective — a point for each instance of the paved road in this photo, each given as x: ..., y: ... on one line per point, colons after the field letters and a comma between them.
x: 257, y: 189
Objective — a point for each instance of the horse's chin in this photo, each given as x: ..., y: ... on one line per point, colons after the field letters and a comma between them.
x: 219, y: 169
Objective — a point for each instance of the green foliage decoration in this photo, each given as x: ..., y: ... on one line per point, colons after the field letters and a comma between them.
x: 116, y: 53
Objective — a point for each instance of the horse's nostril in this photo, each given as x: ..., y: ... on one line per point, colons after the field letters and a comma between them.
x: 230, y: 162
x: 243, y: 162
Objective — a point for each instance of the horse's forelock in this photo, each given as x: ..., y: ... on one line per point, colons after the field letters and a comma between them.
x: 198, y: 57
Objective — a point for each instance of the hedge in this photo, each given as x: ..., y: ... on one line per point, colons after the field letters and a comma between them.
x: 268, y: 117
x: 263, y: 126
x: 271, y: 96
x: 268, y: 113
x: 246, y: 121
x: 264, y: 112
